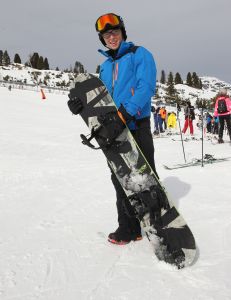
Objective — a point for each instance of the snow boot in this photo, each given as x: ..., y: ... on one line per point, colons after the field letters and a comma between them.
x: 123, y: 236
x: 220, y: 141
x: 156, y: 132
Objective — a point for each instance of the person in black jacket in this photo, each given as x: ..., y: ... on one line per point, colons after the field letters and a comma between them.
x: 189, y: 117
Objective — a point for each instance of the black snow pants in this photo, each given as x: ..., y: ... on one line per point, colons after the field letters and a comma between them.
x: 144, y: 139
x: 222, y: 120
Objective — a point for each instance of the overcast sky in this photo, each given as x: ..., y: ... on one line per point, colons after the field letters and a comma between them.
x: 183, y: 35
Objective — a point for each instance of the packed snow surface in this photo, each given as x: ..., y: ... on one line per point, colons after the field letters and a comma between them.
x: 57, y: 206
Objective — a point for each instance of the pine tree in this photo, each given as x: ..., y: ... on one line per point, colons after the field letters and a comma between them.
x: 17, y: 59
x: 46, y: 64
x: 203, y: 103
x: 170, y: 89
x: 5, y: 58
x: 178, y: 79
x: 82, y: 69
x: 189, y: 79
x: 79, y: 68
x: 195, y: 80
x: 40, y: 63
x: 34, y: 60
x: 1, y: 57
x: 163, y: 78
x: 157, y: 96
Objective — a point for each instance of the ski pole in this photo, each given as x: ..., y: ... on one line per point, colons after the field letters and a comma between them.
x: 182, y: 143
x: 202, y: 138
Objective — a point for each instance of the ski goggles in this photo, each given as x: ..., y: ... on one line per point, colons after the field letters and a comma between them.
x: 110, y: 19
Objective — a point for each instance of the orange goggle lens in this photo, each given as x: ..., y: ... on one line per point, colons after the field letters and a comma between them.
x: 107, y: 19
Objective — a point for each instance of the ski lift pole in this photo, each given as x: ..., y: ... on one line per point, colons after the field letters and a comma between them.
x: 182, y: 142
x: 202, y: 137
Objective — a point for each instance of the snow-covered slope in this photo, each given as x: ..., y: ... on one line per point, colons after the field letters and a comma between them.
x: 57, y: 206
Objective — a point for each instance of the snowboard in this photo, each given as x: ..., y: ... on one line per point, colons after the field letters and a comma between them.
x: 171, y: 237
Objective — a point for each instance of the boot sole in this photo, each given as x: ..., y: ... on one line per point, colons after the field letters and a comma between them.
x: 121, y: 243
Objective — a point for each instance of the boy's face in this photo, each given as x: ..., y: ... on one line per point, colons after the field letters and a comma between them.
x: 113, y: 38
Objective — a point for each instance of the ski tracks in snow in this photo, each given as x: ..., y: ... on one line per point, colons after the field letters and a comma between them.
x: 107, y: 275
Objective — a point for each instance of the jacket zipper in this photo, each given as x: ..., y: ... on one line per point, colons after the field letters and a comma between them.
x: 114, y: 74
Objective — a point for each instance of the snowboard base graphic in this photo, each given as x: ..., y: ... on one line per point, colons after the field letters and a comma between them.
x: 171, y: 237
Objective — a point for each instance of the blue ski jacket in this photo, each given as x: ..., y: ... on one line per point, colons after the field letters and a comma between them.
x: 130, y: 78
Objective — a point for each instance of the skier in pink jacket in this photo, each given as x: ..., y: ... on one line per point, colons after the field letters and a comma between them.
x: 223, y: 111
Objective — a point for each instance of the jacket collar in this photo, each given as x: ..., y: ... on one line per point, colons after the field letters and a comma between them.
x: 123, y: 49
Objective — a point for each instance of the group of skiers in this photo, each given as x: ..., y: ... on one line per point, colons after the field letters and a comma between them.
x: 215, y: 123
x: 164, y: 120
x: 159, y: 116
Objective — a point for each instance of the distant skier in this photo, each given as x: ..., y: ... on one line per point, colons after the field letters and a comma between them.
x: 129, y: 74
x: 223, y: 111
x: 156, y: 126
x: 163, y: 115
x: 215, y: 125
x: 172, y: 121
x: 209, y: 122
x: 189, y: 117
x: 157, y: 121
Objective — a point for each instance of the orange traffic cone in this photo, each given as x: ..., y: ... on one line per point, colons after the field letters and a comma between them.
x: 43, y: 94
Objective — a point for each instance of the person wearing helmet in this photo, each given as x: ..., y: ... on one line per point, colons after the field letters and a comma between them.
x: 189, y: 114
x: 129, y: 73
x: 223, y: 111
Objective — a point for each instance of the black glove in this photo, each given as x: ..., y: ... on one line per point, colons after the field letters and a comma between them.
x: 113, y: 124
x: 75, y: 104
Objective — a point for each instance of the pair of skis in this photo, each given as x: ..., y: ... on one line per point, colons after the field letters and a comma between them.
x: 207, y: 159
x: 187, y: 139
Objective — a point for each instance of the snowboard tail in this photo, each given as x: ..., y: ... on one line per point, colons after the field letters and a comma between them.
x: 164, y: 226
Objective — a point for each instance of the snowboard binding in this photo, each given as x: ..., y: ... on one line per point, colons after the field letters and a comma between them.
x: 106, y: 134
x: 150, y: 201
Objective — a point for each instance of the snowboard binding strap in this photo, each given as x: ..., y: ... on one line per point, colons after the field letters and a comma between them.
x: 105, y: 143
x: 87, y: 141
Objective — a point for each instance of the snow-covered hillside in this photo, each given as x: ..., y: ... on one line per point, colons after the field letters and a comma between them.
x: 211, y: 87
x: 23, y: 75
x: 18, y: 74
x: 57, y: 206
